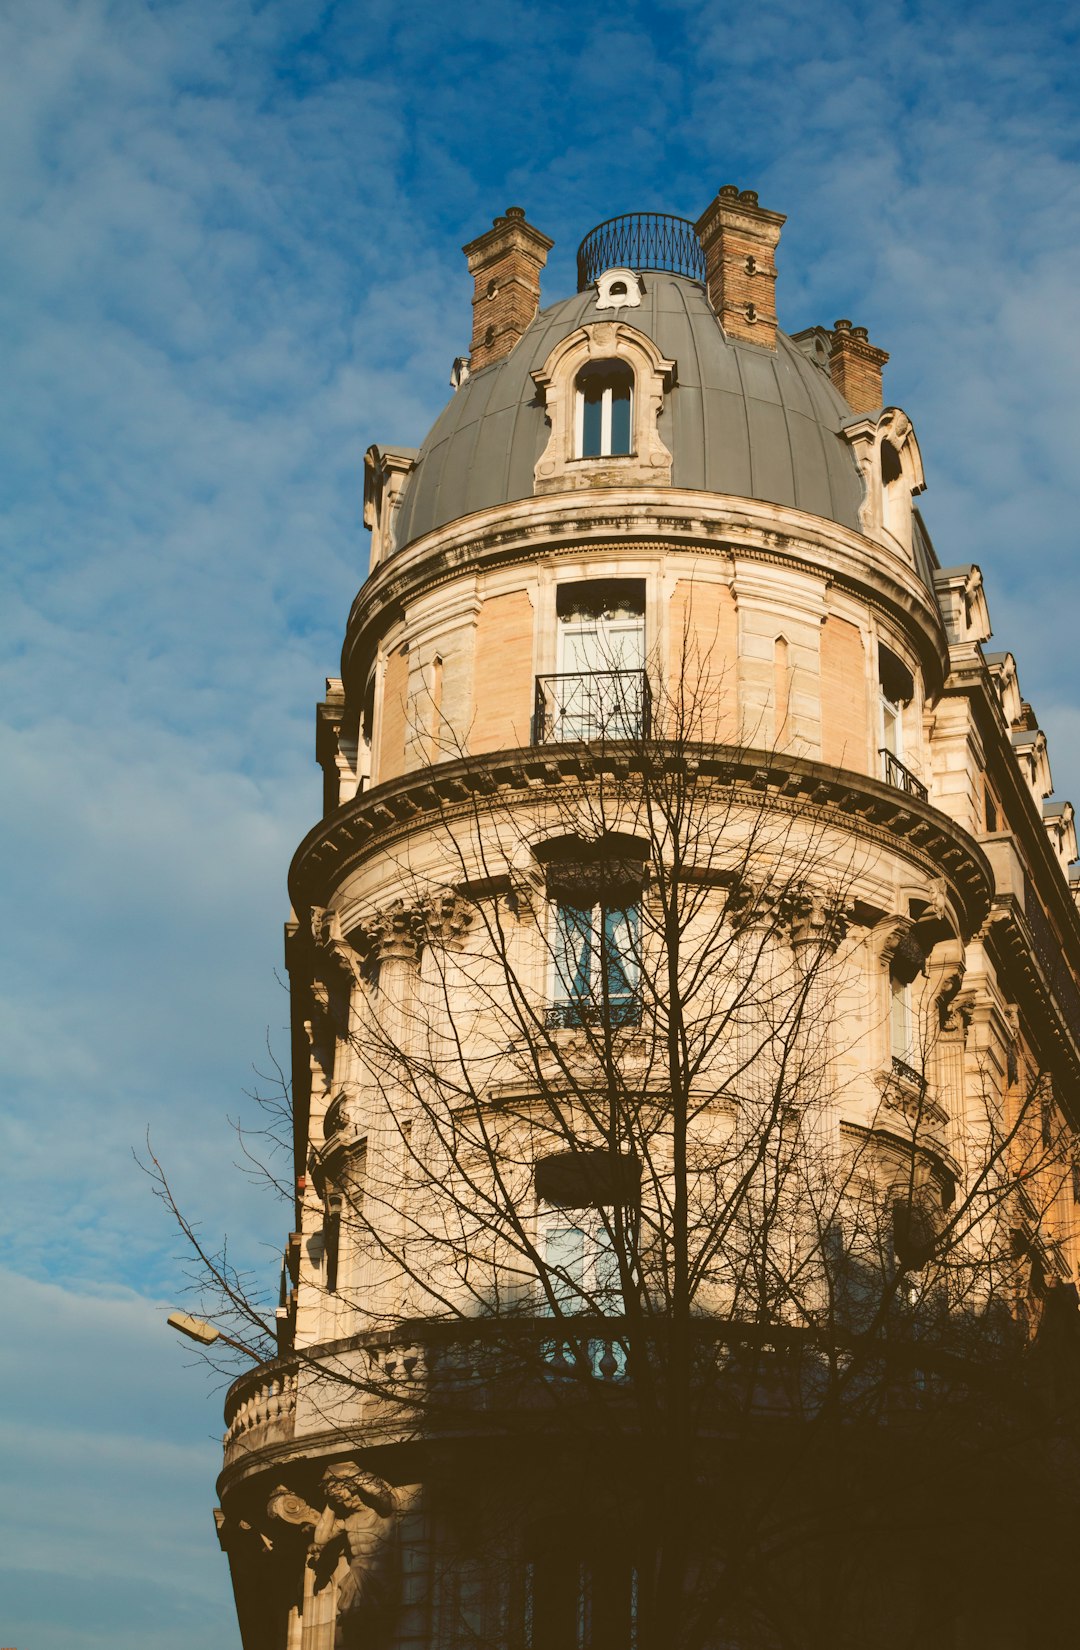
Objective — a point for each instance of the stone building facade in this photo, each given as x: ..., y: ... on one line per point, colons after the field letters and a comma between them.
x: 651, y: 535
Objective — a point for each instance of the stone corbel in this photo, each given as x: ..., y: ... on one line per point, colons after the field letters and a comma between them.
x: 286, y: 1507
x: 897, y: 948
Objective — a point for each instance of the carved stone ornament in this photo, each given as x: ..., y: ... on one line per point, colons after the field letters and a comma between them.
x: 286, y: 1507
x: 754, y: 903
x: 395, y: 933
x: 352, y: 1547
x: 344, y: 1116
x: 815, y: 919
x: 447, y: 918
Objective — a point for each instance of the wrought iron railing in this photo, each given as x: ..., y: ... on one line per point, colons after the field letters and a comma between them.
x: 907, y: 1073
x: 595, y: 704
x: 895, y: 773
x: 620, y: 1010
x: 641, y: 240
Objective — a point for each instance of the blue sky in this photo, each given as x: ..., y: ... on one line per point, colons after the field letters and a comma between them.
x: 230, y: 242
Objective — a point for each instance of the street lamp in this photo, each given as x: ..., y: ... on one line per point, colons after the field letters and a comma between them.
x: 205, y: 1333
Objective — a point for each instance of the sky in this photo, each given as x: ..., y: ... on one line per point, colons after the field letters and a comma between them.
x: 230, y: 242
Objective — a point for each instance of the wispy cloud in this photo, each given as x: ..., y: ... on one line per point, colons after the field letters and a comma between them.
x: 229, y: 260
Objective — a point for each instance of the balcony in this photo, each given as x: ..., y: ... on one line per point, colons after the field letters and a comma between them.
x: 894, y: 772
x: 641, y: 240
x: 596, y: 704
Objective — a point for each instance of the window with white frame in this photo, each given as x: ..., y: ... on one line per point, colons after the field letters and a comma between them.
x: 900, y: 1020
x: 603, y: 410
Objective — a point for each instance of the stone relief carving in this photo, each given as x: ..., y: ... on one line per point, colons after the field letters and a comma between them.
x: 352, y: 1550
x: 349, y: 1550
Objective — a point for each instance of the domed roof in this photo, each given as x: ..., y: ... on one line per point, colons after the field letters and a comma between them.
x: 740, y: 419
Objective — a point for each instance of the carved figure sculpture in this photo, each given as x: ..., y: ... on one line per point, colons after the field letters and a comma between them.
x: 352, y: 1546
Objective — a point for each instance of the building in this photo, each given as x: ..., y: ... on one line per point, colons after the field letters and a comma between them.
x: 686, y: 1020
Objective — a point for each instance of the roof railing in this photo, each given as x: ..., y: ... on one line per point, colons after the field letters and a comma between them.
x: 641, y: 240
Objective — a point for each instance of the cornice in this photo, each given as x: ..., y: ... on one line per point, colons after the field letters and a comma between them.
x: 969, y: 676
x: 379, y: 819
x: 657, y: 519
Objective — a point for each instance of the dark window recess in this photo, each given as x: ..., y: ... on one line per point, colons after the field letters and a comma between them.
x: 897, y: 682
x: 991, y: 810
x: 588, y: 1180
x: 891, y: 469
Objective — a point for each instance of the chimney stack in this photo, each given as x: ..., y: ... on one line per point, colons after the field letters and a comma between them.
x: 505, y: 265
x: 739, y: 240
x: 855, y: 367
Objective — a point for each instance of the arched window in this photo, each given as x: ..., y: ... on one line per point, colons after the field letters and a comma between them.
x: 603, y: 408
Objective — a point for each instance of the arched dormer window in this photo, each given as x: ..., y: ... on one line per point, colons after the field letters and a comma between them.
x: 603, y: 410
x: 602, y: 389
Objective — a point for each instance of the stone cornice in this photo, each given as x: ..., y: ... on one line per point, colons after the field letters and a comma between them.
x: 851, y: 802
x: 622, y: 520
x: 969, y: 675
x: 1016, y: 954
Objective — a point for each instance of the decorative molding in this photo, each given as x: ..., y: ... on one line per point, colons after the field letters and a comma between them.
x: 649, y: 521
x: 559, y: 468
x: 856, y: 803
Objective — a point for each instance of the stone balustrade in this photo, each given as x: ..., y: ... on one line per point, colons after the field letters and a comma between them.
x: 260, y: 1409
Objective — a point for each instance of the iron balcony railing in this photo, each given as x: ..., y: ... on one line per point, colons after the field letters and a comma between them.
x: 641, y: 240
x: 895, y: 773
x: 596, y: 704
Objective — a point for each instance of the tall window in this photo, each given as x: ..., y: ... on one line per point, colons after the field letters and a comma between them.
x: 596, y: 965
x: 600, y: 689
x: 901, y: 1036
x: 603, y: 406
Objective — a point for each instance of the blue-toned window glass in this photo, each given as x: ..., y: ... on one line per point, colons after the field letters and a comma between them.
x: 603, y: 408
x: 597, y: 967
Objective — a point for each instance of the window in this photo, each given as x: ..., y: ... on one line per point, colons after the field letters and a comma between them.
x: 596, y: 965
x: 603, y: 406
x: 599, y: 690
x: 580, y: 1261
x: 900, y: 1030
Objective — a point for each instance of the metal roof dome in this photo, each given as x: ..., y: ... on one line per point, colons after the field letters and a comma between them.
x: 740, y: 419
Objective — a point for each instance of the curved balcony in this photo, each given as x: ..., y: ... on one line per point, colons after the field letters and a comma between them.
x: 260, y: 1410
x: 641, y: 240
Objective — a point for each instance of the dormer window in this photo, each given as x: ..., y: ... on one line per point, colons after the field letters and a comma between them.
x: 603, y: 410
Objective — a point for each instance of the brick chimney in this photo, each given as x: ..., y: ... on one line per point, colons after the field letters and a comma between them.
x: 505, y: 265
x: 855, y: 367
x: 739, y: 240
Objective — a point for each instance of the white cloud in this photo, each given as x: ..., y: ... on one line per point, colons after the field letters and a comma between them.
x: 229, y: 260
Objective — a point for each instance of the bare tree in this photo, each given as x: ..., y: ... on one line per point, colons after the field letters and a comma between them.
x: 680, y: 1304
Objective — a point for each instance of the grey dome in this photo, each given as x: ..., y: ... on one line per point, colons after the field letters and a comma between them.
x: 739, y: 420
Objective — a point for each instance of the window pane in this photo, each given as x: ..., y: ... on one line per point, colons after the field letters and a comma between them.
x: 592, y: 416
x: 564, y: 1256
x: 621, y: 947
x: 620, y: 418
x: 573, y: 953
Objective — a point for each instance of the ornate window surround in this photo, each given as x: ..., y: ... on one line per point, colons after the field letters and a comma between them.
x: 557, y: 469
x: 886, y: 512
